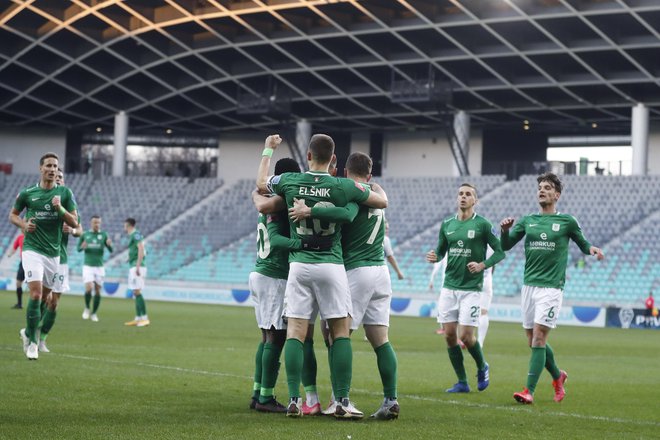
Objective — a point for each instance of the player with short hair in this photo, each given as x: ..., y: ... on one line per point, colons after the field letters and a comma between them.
x: 47, y: 205
x: 317, y: 280
x: 368, y: 277
x: 93, y: 243
x: 137, y: 255
x: 20, y: 273
x: 267, y: 285
x: 546, y: 255
x: 464, y: 238
x: 49, y: 313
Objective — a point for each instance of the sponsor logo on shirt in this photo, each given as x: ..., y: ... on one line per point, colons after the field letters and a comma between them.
x: 450, y: 232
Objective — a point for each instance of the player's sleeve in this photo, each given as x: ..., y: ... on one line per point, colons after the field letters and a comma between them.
x: 355, y: 192
x: 336, y: 214
x: 575, y: 233
x: 21, y: 201
x: 514, y: 235
x: 277, y: 239
x: 275, y: 184
x: 80, y: 242
x: 495, y: 245
x: 69, y: 201
x: 441, y: 249
x: 387, y: 247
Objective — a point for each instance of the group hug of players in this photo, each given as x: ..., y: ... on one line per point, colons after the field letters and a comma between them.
x: 50, y: 217
x: 320, y: 252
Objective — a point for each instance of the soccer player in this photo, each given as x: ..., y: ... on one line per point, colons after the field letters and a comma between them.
x: 546, y: 255
x: 20, y: 273
x: 267, y: 284
x: 464, y: 238
x: 46, y: 205
x: 137, y: 255
x: 61, y: 283
x: 93, y: 242
x: 368, y: 277
x: 317, y: 280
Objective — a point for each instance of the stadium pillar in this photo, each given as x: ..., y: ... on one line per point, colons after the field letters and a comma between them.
x: 462, y: 138
x: 303, y: 135
x: 121, y: 138
x: 640, y: 139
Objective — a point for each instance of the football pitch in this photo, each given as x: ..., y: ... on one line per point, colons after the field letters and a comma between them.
x: 189, y: 375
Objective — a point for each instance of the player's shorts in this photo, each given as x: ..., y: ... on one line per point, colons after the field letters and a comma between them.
x: 41, y: 268
x: 268, y: 296
x: 487, y: 293
x: 62, y: 281
x: 371, y: 295
x: 20, y: 273
x: 321, y: 287
x: 135, y: 281
x: 460, y: 306
x: 93, y: 274
x: 540, y: 305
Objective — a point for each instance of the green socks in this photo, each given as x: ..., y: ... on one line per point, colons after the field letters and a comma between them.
x: 550, y: 364
x: 342, y: 366
x: 456, y: 358
x: 293, y: 362
x: 97, y: 302
x: 33, y: 318
x: 88, y: 299
x: 309, y: 365
x: 42, y: 307
x: 536, y: 365
x: 47, y: 323
x: 257, y: 369
x: 270, y: 368
x: 478, y: 355
x: 140, y: 306
x: 387, y: 367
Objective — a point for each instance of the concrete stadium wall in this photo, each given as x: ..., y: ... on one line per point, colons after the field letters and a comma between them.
x: 23, y: 147
x: 426, y: 154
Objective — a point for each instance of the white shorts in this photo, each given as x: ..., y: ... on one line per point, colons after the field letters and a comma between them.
x: 540, y: 305
x: 321, y: 287
x: 136, y: 282
x: 487, y: 293
x: 93, y: 274
x: 268, y: 296
x: 371, y: 295
x: 62, y: 282
x: 41, y: 268
x: 460, y: 306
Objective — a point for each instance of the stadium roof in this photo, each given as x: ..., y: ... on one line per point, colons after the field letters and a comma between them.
x: 211, y: 65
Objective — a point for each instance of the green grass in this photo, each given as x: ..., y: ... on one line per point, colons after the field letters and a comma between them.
x: 189, y: 375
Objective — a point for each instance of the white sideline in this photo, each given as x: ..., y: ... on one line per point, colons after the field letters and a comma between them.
x: 521, y: 409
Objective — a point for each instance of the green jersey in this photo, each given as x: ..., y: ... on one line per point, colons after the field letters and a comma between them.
x: 136, y: 238
x: 466, y: 241
x: 47, y: 238
x: 96, y: 242
x: 273, y: 245
x: 546, y: 246
x: 318, y: 190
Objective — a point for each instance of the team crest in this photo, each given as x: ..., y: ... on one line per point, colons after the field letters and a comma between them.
x: 99, y: 236
x: 555, y: 227
x: 316, y: 179
x: 471, y: 233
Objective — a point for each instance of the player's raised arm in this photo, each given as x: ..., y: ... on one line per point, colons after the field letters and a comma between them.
x: 267, y: 205
x: 509, y: 237
x: 377, y: 197
x: 270, y: 145
x: 575, y: 233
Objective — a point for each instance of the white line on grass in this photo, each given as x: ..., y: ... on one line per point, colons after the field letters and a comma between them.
x: 519, y: 409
